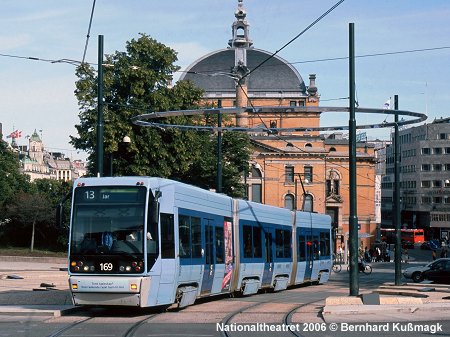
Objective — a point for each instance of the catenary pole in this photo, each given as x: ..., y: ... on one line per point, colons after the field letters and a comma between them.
x: 219, y: 150
x: 353, y: 220
x: 397, y: 220
x: 100, y: 123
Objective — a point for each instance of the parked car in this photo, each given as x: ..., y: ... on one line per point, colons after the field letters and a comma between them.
x: 416, y: 273
x: 439, y: 271
x: 429, y: 245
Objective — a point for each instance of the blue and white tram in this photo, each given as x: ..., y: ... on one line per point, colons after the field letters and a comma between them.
x: 142, y: 241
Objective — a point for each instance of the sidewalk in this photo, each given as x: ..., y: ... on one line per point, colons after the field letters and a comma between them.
x: 390, y: 303
x: 34, y: 286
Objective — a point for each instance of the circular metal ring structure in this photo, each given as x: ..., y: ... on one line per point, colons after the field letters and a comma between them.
x: 146, y: 119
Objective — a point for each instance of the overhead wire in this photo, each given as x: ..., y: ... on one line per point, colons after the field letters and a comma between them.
x: 296, y: 37
x: 88, y: 32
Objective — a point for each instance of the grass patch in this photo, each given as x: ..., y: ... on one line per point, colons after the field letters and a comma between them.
x: 20, y: 251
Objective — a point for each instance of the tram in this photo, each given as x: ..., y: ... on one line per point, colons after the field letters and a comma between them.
x: 146, y: 241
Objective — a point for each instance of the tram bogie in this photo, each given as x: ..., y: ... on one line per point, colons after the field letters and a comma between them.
x: 155, y: 242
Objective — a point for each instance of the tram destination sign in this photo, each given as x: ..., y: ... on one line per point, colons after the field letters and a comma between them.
x: 113, y: 194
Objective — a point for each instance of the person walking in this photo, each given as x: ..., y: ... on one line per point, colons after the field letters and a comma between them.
x: 433, y: 255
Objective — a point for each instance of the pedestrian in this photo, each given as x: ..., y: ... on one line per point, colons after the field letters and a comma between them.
x: 433, y: 255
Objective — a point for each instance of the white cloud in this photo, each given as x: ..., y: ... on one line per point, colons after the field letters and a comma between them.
x: 14, y: 41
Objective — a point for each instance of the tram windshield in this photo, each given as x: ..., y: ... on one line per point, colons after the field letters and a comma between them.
x: 108, y: 220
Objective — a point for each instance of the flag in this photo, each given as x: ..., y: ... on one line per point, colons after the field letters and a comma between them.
x: 387, y: 104
x: 15, y: 134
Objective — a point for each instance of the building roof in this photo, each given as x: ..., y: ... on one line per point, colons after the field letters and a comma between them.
x: 218, y: 71
x: 213, y: 73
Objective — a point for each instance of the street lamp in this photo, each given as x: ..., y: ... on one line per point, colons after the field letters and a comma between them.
x: 306, y: 207
x: 126, y: 141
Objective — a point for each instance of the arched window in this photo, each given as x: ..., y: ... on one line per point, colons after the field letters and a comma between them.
x: 332, y: 149
x: 308, y: 145
x: 255, y: 184
x: 308, y: 203
x: 256, y: 173
x: 289, y: 201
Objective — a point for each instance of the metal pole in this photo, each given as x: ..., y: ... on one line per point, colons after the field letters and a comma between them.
x: 353, y: 220
x: 397, y: 220
x: 219, y: 150
x: 100, y: 108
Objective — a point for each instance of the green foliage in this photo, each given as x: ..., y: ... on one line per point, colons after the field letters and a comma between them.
x: 11, y: 179
x: 138, y: 81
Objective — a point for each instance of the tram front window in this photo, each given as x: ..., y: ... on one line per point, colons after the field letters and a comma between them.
x: 108, y: 223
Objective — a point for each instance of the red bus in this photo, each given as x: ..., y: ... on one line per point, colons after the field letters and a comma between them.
x: 412, y: 236
x: 409, y: 236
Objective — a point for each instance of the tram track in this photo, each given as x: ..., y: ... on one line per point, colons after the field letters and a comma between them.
x: 130, y: 332
x: 286, y: 320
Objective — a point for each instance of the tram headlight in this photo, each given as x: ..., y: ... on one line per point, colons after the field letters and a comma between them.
x: 128, y: 268
x: 86, y: 268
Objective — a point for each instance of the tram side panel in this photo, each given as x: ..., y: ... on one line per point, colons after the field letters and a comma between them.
x: 203, y: 234
x: 264, y: 247
x: 313, y: 245
x: 321, y: 224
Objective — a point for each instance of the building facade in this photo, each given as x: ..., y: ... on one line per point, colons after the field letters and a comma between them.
x: 38, y: 163
x: 424, y: 179
x: 296, y: 170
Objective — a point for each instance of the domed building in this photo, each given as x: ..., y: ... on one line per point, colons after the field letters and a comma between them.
x: 296, y: 170
x: 244, y: 76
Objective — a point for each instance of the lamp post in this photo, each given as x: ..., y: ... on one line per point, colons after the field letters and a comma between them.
x: 303, y: 190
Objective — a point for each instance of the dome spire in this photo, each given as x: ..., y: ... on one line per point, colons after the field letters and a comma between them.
x: 240, y: 29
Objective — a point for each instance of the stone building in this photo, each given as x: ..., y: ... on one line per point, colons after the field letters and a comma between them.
x: 424, y: 179
x: 40, y: 164
x: 287, y: 169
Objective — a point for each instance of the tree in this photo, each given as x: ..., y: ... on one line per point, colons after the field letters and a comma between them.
x: 139, y: 81
x: 30, y: 209
x: 11, y: 179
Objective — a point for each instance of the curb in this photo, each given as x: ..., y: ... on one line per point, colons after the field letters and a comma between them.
x: 35, y: 259
x: 38, y: 310
x: 351, y: 310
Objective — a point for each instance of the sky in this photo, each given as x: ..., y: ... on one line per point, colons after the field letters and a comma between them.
x: 413, y: 36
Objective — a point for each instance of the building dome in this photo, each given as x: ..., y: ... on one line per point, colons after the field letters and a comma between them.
x: 214, y: 73
x: 218, y: 72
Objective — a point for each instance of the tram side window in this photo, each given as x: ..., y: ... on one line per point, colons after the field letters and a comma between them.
x: 279, y: 243
x: 316, y: 247
x: 324, y: 244
x: 301, y: 248
x: 184, y: 227
x: 247, y: 240
x: 287, y: 244
x: 167, y: 236
x: 257, y: 248
x: 283, y: 243
x: 220, y: 246
x: 196, y: 235
x: 252, y: 241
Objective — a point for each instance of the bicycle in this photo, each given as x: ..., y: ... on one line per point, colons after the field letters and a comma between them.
x: 363, y: 267
x: 336, y: 268
x: 336, y: 265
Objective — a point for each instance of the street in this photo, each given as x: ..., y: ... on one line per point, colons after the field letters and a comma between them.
x: 297, y: 311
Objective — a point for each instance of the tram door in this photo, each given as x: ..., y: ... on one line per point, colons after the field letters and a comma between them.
x: 268, y: 256
x: 209, y: 267
x: 309, y: 258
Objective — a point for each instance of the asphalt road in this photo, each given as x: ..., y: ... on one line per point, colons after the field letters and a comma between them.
x: 265, y: 314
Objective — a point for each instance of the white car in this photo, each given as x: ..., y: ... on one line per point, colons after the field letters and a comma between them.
x: 415, y: 273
